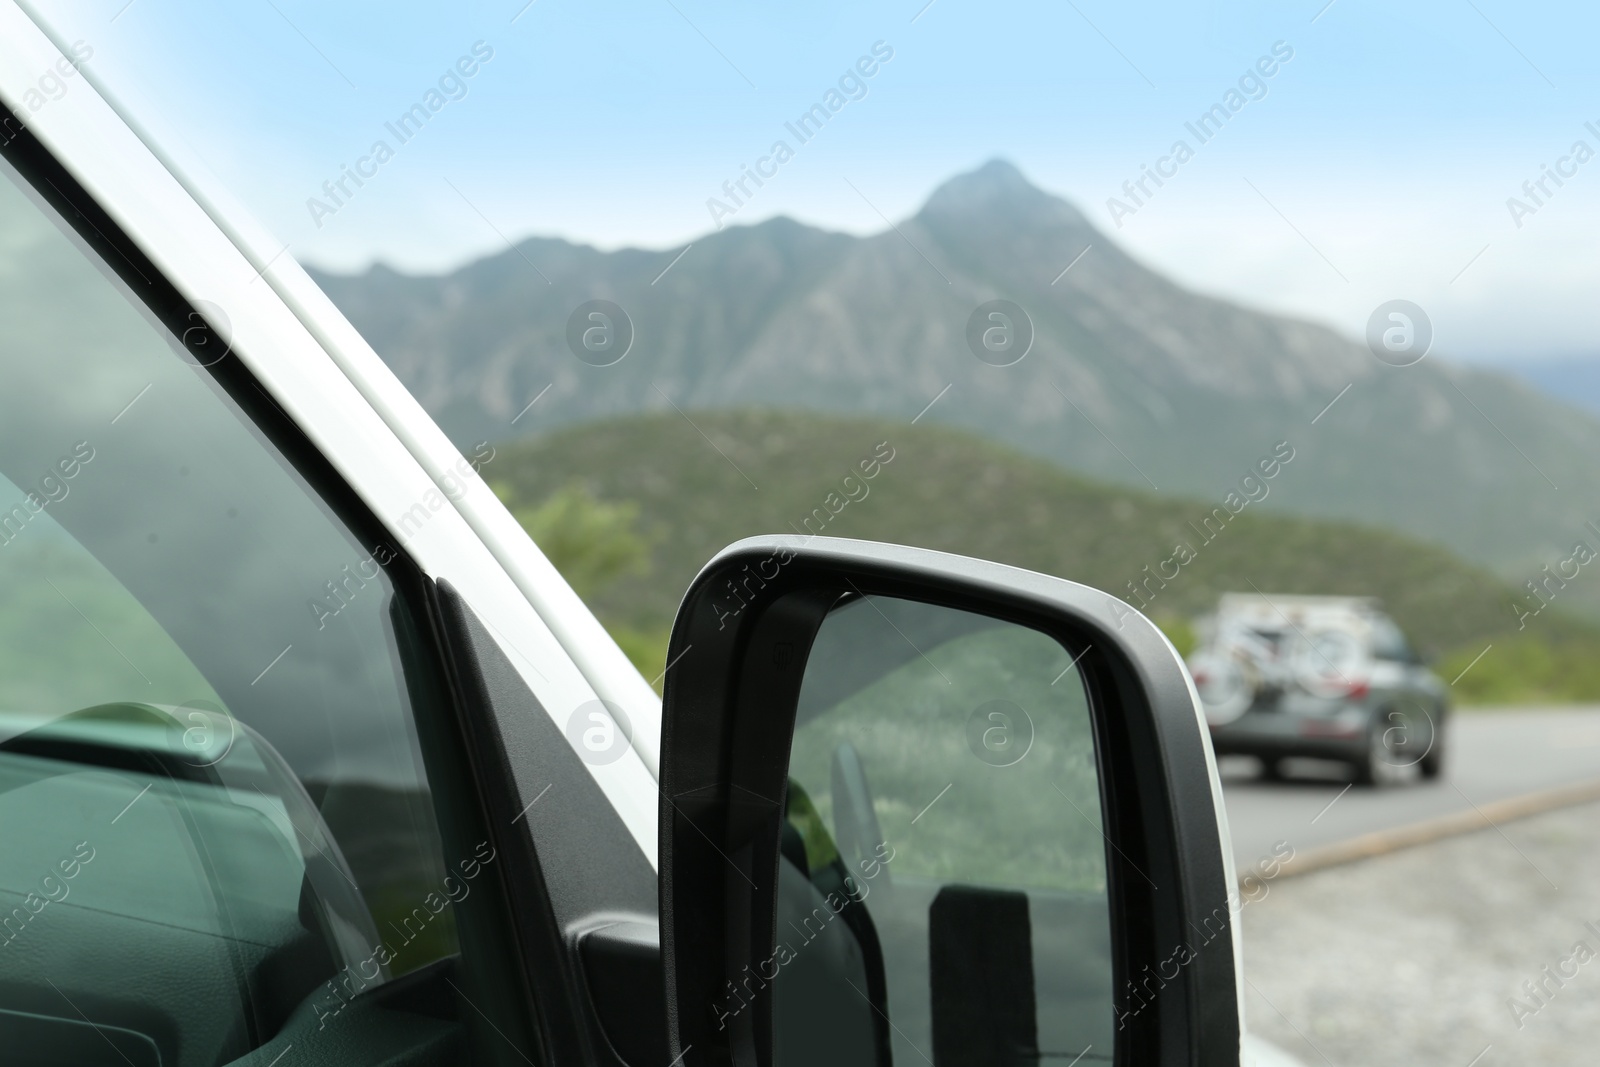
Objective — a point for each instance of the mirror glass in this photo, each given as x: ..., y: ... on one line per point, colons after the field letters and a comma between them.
x: 942, y: 892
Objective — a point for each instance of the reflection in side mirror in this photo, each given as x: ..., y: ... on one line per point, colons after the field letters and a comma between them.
x: 920, y: 808
x: 943, y: 763
x: 982, y: 985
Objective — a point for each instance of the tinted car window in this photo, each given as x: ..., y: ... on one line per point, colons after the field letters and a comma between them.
x: 220, y: 827
x: 1389, y: 643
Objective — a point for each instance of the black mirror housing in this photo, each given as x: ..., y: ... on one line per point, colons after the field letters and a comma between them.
x: 741, y: 643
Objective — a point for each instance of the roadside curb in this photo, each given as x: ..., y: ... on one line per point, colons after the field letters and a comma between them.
x: 1483, y: 817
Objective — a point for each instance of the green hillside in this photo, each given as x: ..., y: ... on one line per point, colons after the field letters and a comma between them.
x: 948, y: 490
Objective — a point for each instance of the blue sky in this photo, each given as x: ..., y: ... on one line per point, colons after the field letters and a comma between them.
x: 1376, y: 166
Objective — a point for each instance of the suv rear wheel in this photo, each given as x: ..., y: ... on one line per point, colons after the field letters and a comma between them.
x: 1432, y: 762
x: 1380, y: 763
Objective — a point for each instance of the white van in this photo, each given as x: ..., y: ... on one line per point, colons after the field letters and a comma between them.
x: 309, y: 756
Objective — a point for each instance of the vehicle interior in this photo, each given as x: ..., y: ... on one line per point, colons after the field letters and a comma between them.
x: 191, y: 897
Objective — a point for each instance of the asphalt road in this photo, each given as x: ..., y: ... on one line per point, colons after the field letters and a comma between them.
x: 1495, y: 755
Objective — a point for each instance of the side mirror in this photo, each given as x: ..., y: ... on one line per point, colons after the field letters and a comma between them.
x: 917, y: 807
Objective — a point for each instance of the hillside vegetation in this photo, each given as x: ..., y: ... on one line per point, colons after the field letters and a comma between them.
x: 948, y: 490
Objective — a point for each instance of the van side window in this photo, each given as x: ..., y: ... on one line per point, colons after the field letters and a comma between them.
x: 220, y: 834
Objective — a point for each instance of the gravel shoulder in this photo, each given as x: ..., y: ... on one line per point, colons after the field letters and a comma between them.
x: 1418, y: 956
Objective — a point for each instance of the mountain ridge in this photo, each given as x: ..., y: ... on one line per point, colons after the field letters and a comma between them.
x: 1131, y: 376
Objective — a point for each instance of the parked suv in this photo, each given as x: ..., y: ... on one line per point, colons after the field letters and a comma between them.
x: 1319, y: 676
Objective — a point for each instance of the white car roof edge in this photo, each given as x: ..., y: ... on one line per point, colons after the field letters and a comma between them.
x: 602, y: 662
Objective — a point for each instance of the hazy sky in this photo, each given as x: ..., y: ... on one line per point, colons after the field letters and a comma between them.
x: 1377, y: 164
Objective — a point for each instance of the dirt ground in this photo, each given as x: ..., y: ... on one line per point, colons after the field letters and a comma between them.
x: 1420, y: 956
